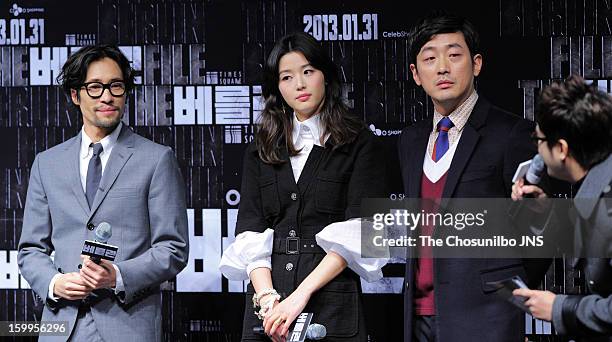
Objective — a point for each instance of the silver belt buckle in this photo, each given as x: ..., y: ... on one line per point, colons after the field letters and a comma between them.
x: 291, y: 243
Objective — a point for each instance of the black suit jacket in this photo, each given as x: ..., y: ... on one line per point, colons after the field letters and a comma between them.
x: 330, y: 189
x: 492, y: 144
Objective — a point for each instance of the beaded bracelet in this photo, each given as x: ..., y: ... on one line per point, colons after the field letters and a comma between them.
x: 267, y: 306
x: 261, y: 294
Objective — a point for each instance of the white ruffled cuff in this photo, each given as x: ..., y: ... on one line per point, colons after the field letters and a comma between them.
x: 258, y: 264
x: 344, y: 238
x: 249, y: 251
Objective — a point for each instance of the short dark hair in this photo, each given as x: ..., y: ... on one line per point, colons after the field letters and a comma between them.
x: 74, y: 70
x: 579, y: 113
x: 438, y: 23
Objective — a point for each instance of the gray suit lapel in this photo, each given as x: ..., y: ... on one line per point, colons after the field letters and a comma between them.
x: 119, y: 156
x: 590, y: 191
x: 73, y: 157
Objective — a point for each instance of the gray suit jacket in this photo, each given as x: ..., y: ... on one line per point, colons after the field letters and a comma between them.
x: 142, y: 196
x: 590, y: 315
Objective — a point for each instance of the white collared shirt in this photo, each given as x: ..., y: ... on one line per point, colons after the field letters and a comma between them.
x: 305, y: 135
x: 108, y: 142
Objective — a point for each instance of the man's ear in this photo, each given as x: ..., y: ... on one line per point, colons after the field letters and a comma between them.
x: 477, y: 64
x: 75, y: 97
x: 563, y: 149
x: 415, y: 74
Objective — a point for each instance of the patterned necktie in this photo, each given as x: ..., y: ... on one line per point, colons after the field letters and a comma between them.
x: 441, y: 145
x: 94, y: 173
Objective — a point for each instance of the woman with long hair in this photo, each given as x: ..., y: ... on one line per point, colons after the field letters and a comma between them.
x: 304, y: 177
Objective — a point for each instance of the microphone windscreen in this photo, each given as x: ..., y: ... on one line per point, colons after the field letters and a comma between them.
x: 316, y: 332
x: 103, y: 232
x: 536, y: 169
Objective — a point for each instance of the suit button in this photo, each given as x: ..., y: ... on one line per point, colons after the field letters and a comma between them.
x: 407, y: 285
x: 591, y: 282
x: 90, y: 226
x: 289, y: 266
x: 294, y: 196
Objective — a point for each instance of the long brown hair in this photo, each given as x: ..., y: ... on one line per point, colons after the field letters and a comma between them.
x: 276, y: 122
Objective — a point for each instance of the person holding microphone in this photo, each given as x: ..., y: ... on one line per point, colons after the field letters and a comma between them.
x: 574, y: 138
x: 106, y: 175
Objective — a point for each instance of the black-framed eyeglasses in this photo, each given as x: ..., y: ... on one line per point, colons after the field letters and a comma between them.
x: 536, y: 139
x: 96, y: 89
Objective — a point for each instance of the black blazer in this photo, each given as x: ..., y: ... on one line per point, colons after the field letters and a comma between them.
x: 492, y: 144
x: 330, y: 189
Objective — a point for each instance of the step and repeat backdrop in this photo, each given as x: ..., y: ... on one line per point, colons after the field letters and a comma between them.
x: 198, y: 90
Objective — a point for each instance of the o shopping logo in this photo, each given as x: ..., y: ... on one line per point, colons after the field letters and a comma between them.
x: 16, y: 10
x: 384, y: 132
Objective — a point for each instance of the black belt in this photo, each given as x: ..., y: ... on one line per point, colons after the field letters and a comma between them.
x: 296, y: 245
x: 83, y: 309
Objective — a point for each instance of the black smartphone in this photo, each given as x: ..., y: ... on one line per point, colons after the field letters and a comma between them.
x: 505, y: 288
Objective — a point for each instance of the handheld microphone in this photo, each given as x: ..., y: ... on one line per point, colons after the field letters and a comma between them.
x: 536, y: 170
x: 103, y: 232
x: 302, y: 329
x: 314, y: 331
x: 99, y: 248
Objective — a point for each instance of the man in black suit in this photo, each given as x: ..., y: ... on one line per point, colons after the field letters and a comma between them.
x: 469, y: 149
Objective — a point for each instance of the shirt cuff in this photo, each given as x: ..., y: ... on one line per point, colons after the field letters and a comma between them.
x: 344, y: 238
x: 249, y: 251
x: 118, y: 281
x: 258, y: 264
x: 50, y: 295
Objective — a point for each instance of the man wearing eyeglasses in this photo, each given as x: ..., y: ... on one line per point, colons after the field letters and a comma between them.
x: 574, y: 137
x: 108, y: 174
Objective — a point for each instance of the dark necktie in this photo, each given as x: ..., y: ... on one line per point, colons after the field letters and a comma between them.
x: 94, y: 173
x: 441, y: 145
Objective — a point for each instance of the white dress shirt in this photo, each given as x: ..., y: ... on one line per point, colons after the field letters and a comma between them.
x: 85, y: 154
x: 253, y: 250
x: 108, y: 142
x: 305, y: 135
